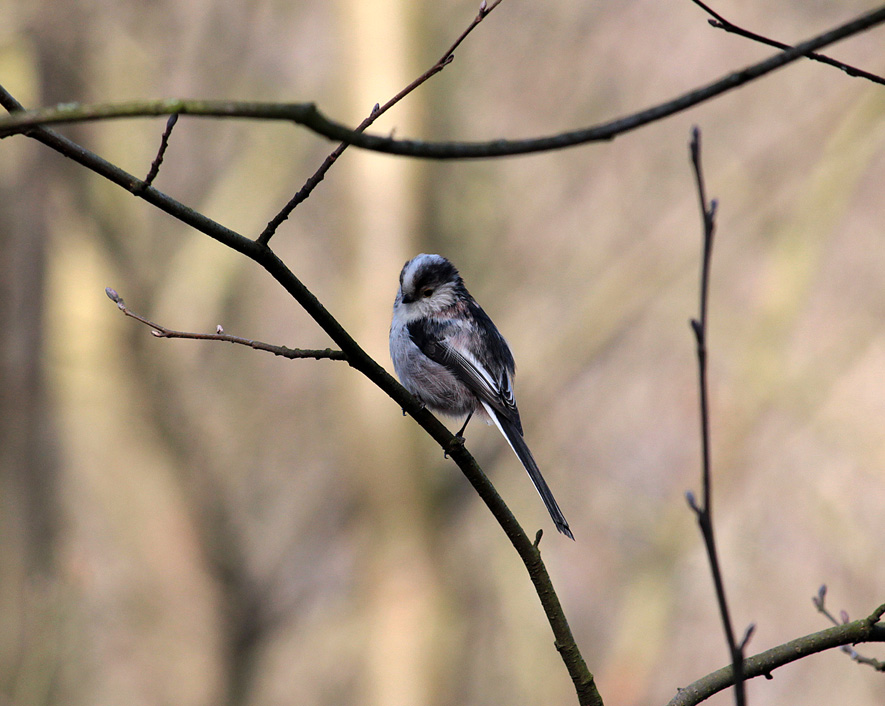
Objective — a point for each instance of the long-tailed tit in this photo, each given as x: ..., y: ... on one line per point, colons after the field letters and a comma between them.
x: 449, y: 354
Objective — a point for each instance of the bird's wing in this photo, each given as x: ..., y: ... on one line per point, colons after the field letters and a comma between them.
x: 450, y: 343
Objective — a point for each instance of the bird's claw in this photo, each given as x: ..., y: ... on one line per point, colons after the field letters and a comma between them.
x: 457, y: 441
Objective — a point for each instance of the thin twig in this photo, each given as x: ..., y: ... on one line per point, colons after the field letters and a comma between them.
x: 219, y: 335
x: 377, y: 112
x: 819, y: 603
x: 719, y: 22
x: 158, y: 160
x: 704, y: 511
x: 309, y: 116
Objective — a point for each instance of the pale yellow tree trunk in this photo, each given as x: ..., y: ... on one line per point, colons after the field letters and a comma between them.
x: 398, y: 574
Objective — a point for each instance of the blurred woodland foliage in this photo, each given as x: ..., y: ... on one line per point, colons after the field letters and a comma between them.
x: 189, y: 523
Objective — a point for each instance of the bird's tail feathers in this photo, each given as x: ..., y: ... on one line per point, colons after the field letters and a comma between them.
x: 511, y: 432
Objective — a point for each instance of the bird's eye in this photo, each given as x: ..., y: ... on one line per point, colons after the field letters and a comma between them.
x: 426, y: 292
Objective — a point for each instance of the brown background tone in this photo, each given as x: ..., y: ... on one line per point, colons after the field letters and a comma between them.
x: 192, y: 523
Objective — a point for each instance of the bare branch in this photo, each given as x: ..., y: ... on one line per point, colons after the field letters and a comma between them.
x: 704, y: 512
x: 764, y: 663
x: 719, y: 22
x: 819, y: 603
x: 377, y: 112
x: 219, y: 335
x: 357, y: 358
x: 748, y: 634
x: 302, y: 113
x: 309, y: 116
x: 158, y: 160
x: 876, y: 615
x: 131, y: 183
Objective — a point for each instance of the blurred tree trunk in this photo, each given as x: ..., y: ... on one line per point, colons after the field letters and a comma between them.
x: 27, y: 437
x: 28, y: 466
x: 29, y: 511
x: 398, y: 575
x: 29, y: 508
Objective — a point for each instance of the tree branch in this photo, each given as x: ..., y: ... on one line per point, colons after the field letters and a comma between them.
x: 357, y: 358
x: 308, y: 115
x: 719, y: 22
x: 377, y: 111
x: 704, y: 511
x: 282, y: 351
x: 161, y: 152
x: 819, y: 603
x: 764, y: 663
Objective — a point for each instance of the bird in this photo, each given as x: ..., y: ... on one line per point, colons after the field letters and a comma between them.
x: 449, y: 354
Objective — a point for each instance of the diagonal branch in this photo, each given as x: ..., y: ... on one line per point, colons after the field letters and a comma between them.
x: 309, y: 116
x: 377, y: 112
x: 358, y: 359
x: 720, y: 22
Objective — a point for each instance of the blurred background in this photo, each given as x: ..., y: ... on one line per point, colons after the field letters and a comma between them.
x: 192, y: 523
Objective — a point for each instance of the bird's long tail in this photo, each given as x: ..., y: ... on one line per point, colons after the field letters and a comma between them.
x: 517, y: 443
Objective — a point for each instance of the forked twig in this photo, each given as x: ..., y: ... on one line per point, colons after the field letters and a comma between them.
x: 819, y: 603
x: 704, y: 511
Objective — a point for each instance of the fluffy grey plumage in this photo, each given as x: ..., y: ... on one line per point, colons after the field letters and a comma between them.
x: 448, y: 353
